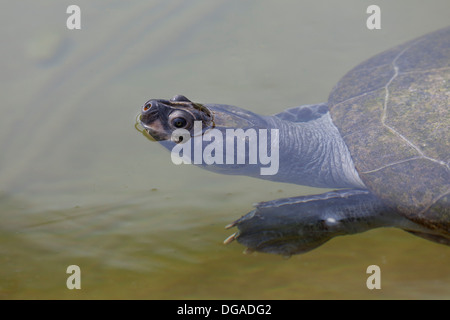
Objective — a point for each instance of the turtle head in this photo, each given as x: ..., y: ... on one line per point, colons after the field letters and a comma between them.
x: 160, y: 118
x: 222, y: 134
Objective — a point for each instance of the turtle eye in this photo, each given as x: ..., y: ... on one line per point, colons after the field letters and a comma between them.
x: 179, y: 122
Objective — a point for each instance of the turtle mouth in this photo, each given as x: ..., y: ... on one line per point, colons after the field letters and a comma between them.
x: 144, y: 129
x: 154, y: 135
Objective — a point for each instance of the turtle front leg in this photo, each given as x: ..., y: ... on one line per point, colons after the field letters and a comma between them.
x: 297, y: 225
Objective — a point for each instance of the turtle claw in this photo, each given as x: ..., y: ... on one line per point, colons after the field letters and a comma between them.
x: 231, y: 225
x: 231, y: 238
x: 241, y: 219
x: 248, y: 251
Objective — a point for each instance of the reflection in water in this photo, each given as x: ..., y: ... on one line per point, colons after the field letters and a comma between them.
x: 129, y: 250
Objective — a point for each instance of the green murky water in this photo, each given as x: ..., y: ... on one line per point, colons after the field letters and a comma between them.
x: 79, y: 185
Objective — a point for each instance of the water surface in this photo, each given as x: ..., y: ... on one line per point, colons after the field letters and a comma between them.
x: 79, y: 185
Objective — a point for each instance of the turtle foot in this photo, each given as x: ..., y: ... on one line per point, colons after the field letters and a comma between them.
x: 299, y: 224
x: 267, y: 231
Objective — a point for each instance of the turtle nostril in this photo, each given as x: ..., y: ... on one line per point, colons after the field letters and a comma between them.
x: 147, y: 107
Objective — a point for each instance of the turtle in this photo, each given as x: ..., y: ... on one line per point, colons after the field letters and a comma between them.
x: 381, y: 143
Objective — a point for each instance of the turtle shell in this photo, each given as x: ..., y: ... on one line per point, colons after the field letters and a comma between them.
x: 393, y: 113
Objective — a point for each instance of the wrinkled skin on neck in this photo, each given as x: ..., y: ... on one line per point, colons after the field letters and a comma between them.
x: 307, y: 151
